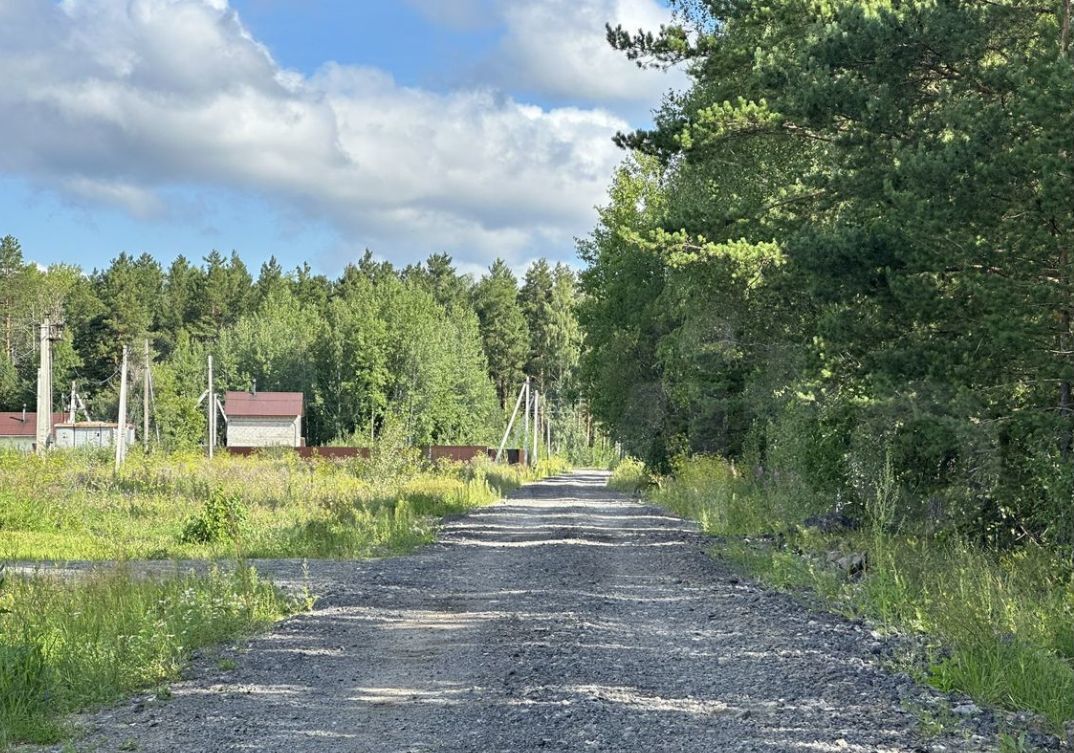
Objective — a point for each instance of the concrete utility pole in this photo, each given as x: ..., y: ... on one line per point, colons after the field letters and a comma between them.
x: 82, y: 405
x: 526, y: 416
x: 74, y: 403
x: 121, y: 429
x: 145, y: 399
x: 44, y: 387
x: 511, y: 423
x: 210, y: 405
x: 547, y: 431
x: 1064, y: 34
x: 536, y: 426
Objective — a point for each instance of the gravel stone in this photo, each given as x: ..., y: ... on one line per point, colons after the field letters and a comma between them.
x: 567, y: 618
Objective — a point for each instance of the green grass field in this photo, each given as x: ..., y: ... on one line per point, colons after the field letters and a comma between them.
x: 73, y: 507
x: 75, y: 644
x: 70, y: 645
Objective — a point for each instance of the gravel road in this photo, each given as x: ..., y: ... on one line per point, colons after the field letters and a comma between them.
x: 568, y: 618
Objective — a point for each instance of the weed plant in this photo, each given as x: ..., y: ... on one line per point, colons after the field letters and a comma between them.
x: 629, y: 476
x: 69, y: 645
x: 1003, y: 621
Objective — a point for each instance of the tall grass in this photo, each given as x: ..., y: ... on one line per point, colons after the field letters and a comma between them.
x: 72, y: 645
x: 629, y: 476
x: 66, y: 506
x: 66, y: 646
x: 1003, y: 621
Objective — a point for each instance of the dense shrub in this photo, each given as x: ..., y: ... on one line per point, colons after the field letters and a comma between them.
x: 222, y: 518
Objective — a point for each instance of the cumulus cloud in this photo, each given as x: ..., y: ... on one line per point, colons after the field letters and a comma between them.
x: 558, y: 49
x: 116, y: 102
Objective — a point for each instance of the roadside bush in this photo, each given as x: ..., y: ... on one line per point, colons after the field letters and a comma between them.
x: 629, y: 475
x: 223, y: 518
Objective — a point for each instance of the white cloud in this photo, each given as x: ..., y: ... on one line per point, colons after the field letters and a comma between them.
x: 137, y: 201
x: 558, y: 48
x: 117, y: 102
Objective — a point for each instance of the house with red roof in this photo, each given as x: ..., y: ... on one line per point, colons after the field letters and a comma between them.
x: 18, y: 430
x: 264, y: 419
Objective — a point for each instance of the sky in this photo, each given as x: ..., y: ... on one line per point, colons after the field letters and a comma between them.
x: 311, y: 130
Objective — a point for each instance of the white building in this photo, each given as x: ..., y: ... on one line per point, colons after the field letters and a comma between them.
x: 264, y: 419
x: 90, y: 434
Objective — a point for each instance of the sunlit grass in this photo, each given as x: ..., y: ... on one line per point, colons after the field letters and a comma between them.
x: 628, y: 475
x: 69, y: 645
x: 1003, y: 622
x: 69, y: 506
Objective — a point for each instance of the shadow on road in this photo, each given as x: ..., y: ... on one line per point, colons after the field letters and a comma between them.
x: 566, y: 619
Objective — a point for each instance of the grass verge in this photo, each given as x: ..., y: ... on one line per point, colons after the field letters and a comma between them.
x: 999, y: 625
x: 71, y: 506
x: 71, y: 645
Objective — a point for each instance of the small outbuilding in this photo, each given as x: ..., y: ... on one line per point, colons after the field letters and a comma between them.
x: 70, y: 436
x: 18, y: 430
x: 264, y: 419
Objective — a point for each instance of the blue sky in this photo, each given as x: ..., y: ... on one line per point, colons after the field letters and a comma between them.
x: 393, y: 36
x: 312, y: 130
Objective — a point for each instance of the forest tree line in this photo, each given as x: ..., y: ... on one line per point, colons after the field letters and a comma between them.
x: 845, y: 253
x: 430, y: 353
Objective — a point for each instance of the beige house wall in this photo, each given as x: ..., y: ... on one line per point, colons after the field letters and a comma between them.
x: 264, y: 432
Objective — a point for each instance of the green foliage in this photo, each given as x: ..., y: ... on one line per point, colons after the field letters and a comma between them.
x: 563, y: 339
x: 855, y: 222
x: 621, y: 288
x: 222, y: 518
x: 71, y: 645
x: 629, y: 475
x: 1000, y: 621
x: 68, y: 506
x: 180, y: 421
x: 1011, y: 744
x: 424, y: 348
x: 574, y: 438
x: 504, y: 330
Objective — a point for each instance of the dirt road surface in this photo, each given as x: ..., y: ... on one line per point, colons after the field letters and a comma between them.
x: 568, y: 618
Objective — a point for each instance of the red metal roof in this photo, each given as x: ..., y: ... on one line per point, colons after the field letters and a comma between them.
x: 263, y: 404
x: 12, y: 425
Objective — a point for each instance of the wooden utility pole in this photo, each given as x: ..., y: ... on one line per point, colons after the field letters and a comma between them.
x: 121, y: 428
x: 145, y: 398
x: 210, y: 404
x: 44, y: 387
